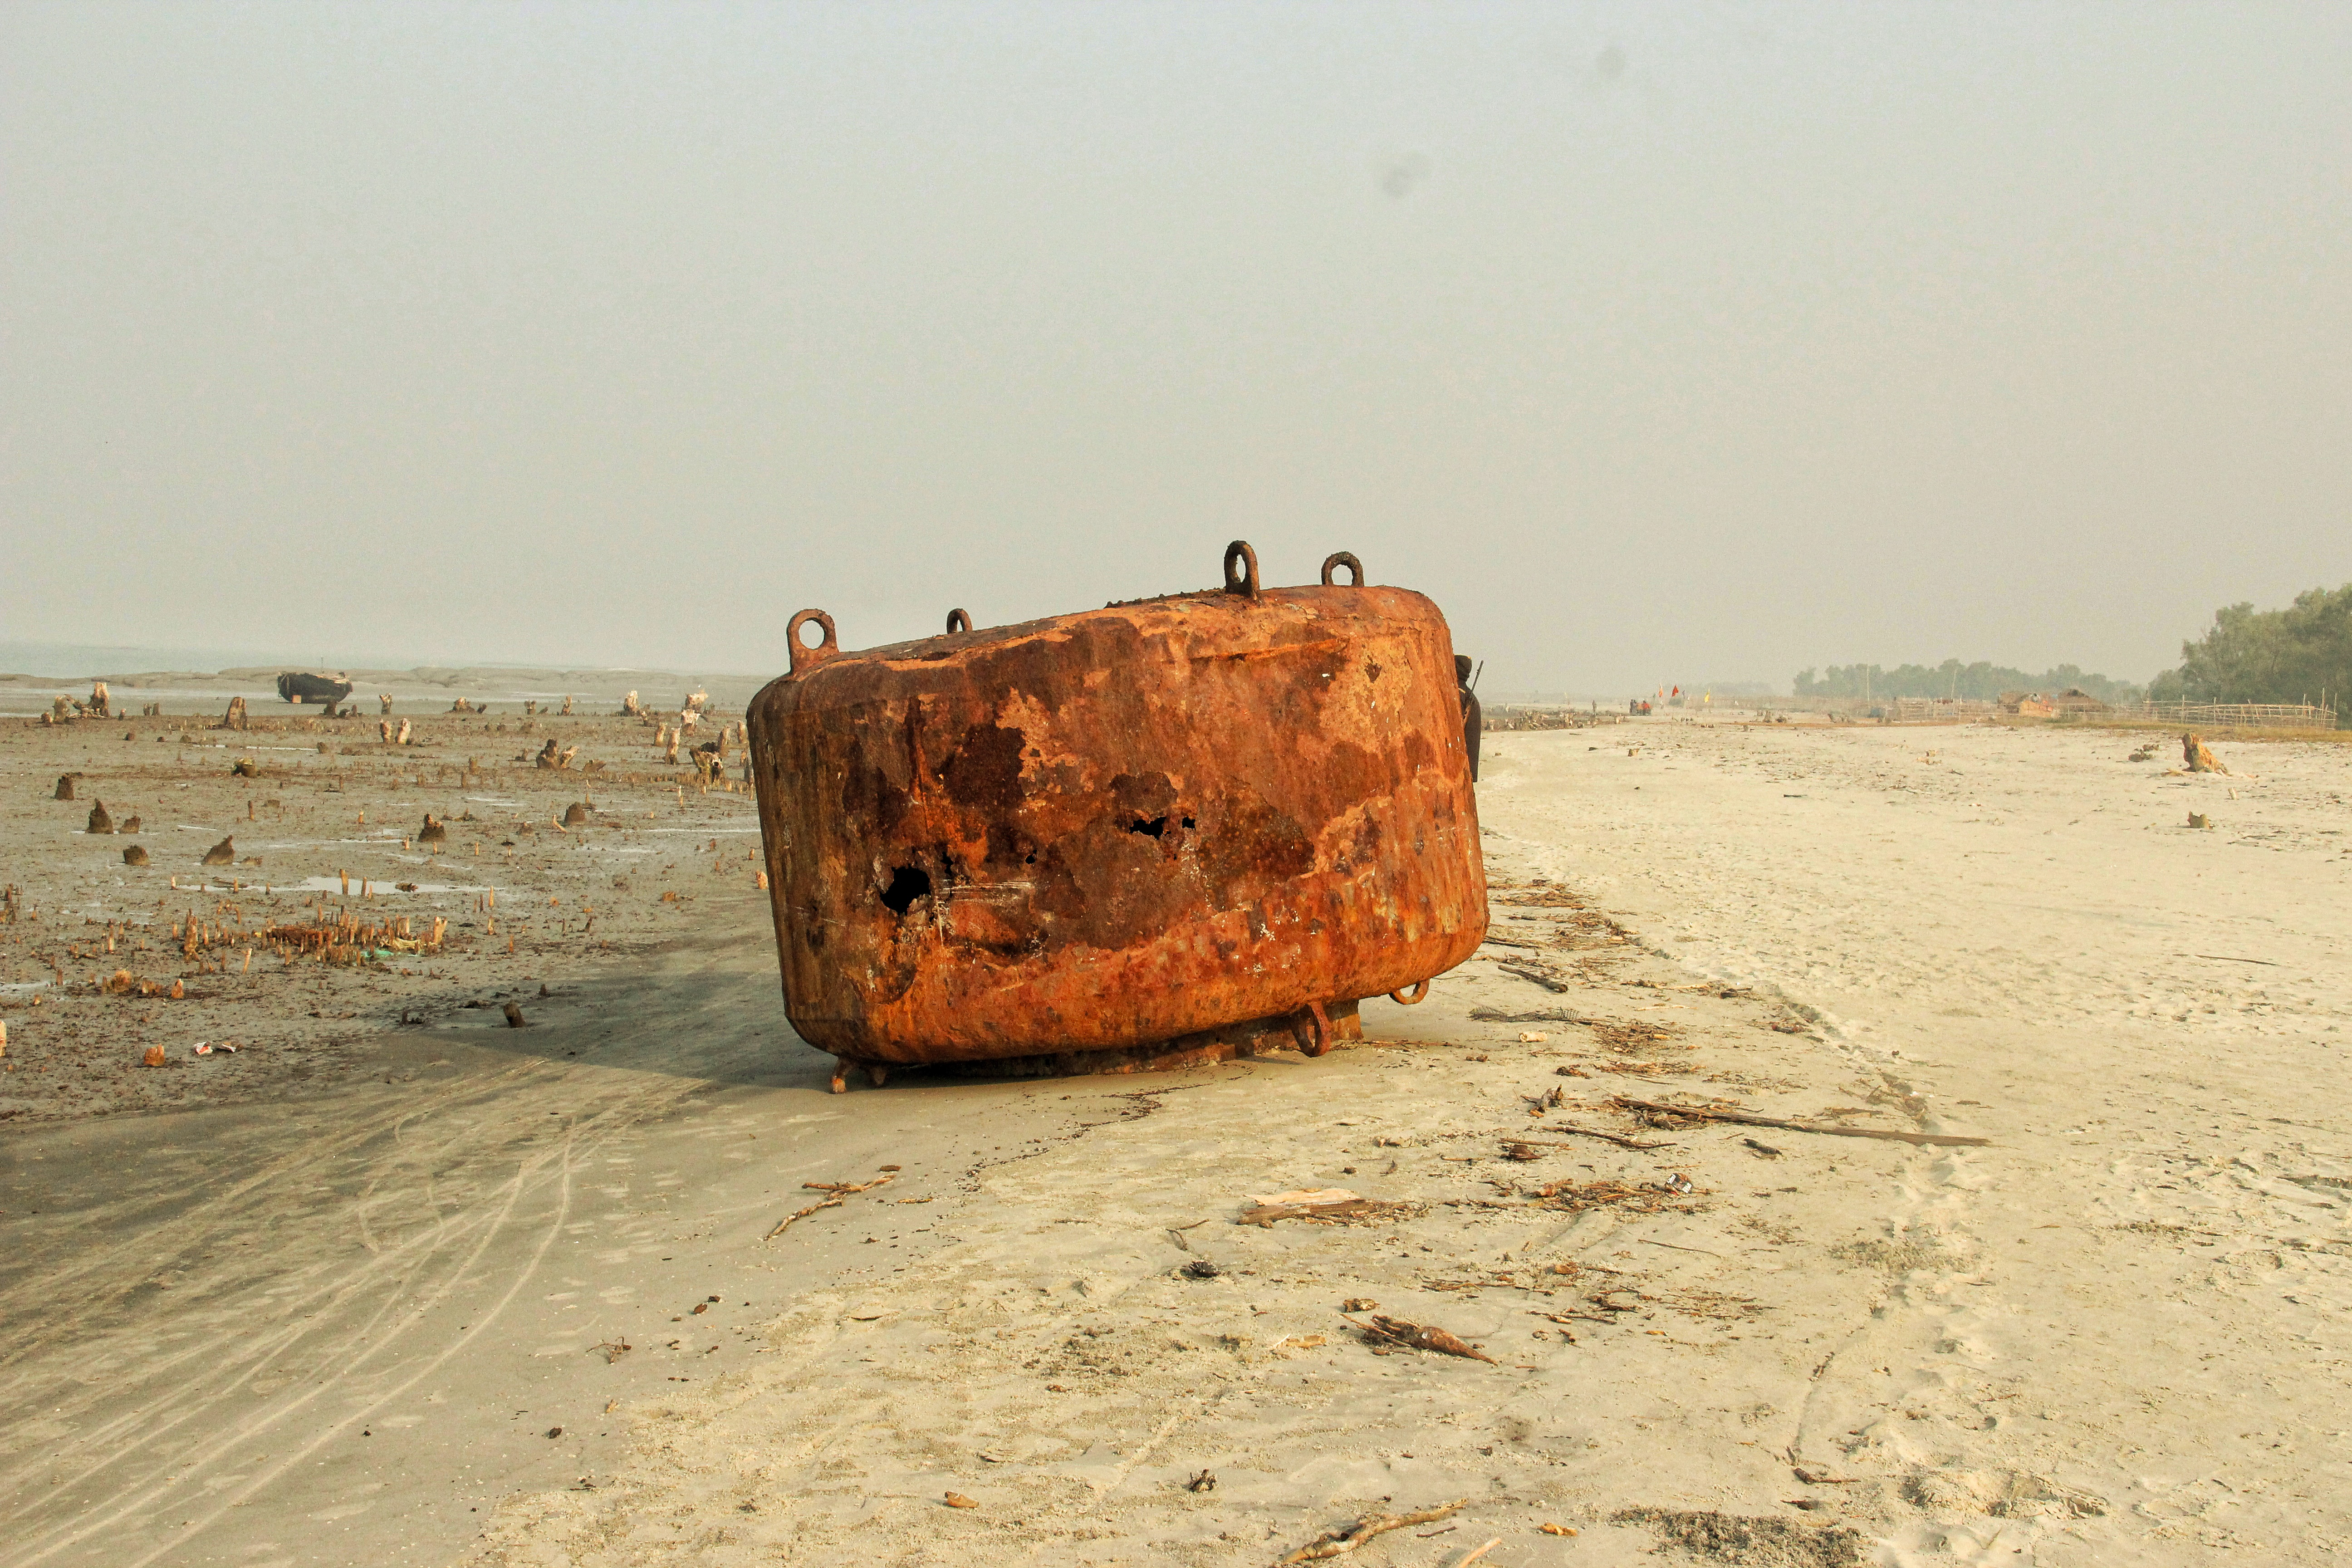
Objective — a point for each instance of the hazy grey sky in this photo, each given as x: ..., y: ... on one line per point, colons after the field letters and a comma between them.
x: 1654, y: 341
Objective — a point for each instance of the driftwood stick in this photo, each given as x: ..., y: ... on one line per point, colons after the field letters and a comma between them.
x: 1387, y: 1330
x: 1347, y: 1537
x: 1748, y: 1118
x: 1548, y: 981
x: 839, y: 1190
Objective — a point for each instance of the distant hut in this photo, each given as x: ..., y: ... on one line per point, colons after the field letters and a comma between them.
x: 2027, y: 705
x: 2077, y: 703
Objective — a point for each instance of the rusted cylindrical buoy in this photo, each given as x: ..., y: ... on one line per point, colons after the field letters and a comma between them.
x: 1211, y: 821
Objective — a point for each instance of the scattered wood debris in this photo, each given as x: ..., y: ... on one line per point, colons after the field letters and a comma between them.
x: 1541, y: 895
x: 1515, y: 1144
x: 1636, y: 1035
x: 1729, y: 1537
x: 1633, y: 1036
x: 1543, y: 1281
x: 1644, y: 1198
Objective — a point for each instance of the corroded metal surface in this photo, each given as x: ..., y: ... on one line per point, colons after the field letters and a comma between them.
x: 1195, y: 818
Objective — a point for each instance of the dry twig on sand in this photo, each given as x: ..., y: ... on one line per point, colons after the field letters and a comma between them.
x: 839, y: 1190
x: 1546, y: 1015
x: 1748, y: 1118
x: 1548, y: 981
x: 1327, y: 1205
x: 1590, y: 1133
x: 1347, y: 1537
x: 1675, y: 1195
x: 1383, y: 1332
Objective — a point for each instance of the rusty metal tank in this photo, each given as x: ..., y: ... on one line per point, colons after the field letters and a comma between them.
x: 1174, y: 828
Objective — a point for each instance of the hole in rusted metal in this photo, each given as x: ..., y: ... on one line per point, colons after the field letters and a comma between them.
x: 1188, y: 822
x: 1153, y: 827
x: 907, y: 883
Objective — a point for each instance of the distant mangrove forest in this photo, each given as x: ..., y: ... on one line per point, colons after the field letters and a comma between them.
x: 2302, y: 653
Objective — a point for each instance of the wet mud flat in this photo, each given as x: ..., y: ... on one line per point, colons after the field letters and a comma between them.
x: 314, y: 928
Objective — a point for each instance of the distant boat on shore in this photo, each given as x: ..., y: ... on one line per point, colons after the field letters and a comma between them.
x: 311, y: 686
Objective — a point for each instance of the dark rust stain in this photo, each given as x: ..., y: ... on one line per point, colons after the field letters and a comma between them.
x: 984, y: 774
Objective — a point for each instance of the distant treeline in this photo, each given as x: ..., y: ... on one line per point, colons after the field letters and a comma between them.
x: 2269, y: 656
x: 1953, y: 679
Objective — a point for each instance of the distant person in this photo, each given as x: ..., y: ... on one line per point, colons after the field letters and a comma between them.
x: 1473, y: 720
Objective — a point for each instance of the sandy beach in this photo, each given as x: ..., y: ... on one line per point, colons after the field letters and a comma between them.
x: 486, y: 1296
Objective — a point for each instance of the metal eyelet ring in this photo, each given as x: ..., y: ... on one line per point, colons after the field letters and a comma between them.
x: 1409, y: 995
x: 1243, y: 584
x: 804, y: 656
x: 1338, y: 559
x: 958, y: 621
x: 1313, y: 1029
